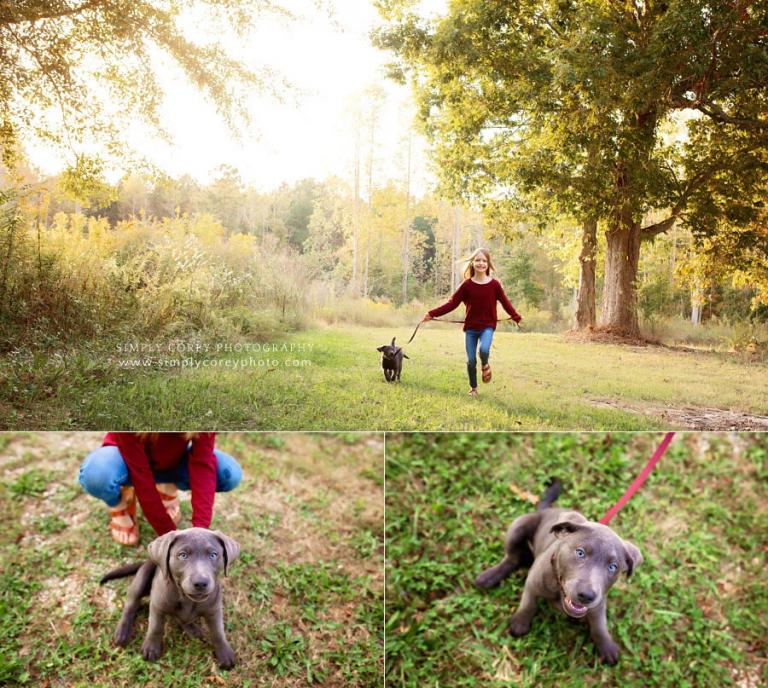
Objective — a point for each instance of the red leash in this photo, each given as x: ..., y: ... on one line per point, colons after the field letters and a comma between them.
x: 460, y: 322
x: 635, y: 486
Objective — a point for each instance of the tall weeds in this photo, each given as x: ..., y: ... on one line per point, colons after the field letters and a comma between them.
x: 146, y: 278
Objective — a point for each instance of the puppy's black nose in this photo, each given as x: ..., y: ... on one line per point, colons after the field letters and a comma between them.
x: 586, y: 596
x: 201, y: 585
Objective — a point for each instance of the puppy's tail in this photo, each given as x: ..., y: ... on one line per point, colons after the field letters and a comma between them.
x: 551, y: 494
x: 122, y: 572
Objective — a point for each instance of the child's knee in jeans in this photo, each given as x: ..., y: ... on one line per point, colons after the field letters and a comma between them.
x: 229, y: 472
x: 102, y: 473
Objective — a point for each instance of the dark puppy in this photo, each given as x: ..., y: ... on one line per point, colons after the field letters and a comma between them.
x: 186, y: 587
x: 573, y: 564
x: 392, y: 361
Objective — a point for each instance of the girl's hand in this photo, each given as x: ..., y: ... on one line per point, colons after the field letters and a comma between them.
x: 426, y: 318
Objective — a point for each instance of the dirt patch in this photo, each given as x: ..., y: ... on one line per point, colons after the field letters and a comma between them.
x: 601, y: 335
x: 47, y: 449
x: 691, y: 417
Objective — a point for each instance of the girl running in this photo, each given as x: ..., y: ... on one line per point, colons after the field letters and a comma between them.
x: 479, y: 292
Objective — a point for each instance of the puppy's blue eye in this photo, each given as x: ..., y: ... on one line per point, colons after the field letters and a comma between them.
x: 183, y: 555
x: 580, y: 553
x: 612, y: 568
x: 212, y: 555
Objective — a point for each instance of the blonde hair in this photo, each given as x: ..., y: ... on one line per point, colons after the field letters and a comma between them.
x: 469, y: 272
x: 152, y: 437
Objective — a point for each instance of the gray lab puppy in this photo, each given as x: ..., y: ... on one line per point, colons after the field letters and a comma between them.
x: 573, y: 562
x: 392, y: 361
x: 181, y: 578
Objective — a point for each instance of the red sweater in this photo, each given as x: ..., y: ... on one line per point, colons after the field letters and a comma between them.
x: 167, y: 452
x: 480, y: 300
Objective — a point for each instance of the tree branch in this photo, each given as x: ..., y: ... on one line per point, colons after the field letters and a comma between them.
x: 10, y: 15
x: 659, y: 227
x: 716, y: 113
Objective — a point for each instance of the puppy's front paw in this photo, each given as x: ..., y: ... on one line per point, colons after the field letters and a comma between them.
x: 225, y: 656
x: 151, y: 650
x: 519, y: 626
x: 608, y: 651
x: 486, y: 579
x: 123, y: 635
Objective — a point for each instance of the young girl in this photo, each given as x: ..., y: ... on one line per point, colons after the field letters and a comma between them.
x: 152, y: 467
x: 479, y: 292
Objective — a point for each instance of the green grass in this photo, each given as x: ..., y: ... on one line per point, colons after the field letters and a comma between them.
x: 303, y: 604
x: 693, y: 614
x: 540, y: 382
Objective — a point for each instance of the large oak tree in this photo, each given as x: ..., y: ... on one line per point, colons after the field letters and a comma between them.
x: 567, y: 106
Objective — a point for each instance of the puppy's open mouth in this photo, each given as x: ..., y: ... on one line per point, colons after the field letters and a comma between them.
x: 199, y: 597
x: 573, y: 609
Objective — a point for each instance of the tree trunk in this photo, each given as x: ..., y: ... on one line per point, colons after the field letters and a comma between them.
x: 456, y: 250
x: 406, y: 258
x: 619, y: 307
x: 356, y: 216
x: 585, y: 309
x: 697, y: 305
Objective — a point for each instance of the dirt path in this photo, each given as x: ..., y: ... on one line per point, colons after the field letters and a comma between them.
x: 691, y: 417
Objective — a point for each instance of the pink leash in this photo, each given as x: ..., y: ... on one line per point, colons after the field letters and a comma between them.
x: 638, y: 482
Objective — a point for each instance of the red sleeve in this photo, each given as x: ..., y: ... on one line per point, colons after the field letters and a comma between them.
x: 202, y: 479
x: 451, y: 304
x: 132, y: 450
x: 501, y: 296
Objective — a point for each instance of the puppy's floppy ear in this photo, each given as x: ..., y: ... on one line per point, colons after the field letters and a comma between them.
x: 632, y: 557
x: 230, y: 547
x: 565, y: 528
x: 160, y: 551
x: 406, y: 356
x: 380, y: 348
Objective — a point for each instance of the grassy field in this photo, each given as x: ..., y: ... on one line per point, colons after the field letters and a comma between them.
x: 303, y: 602
x: 332, y: 381
x: 693, y: 614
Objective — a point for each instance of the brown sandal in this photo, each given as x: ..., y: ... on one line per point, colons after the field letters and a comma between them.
x: 486, y: 370
x: 125, y: 535
x: 473, y: 392
x: 171, y: 501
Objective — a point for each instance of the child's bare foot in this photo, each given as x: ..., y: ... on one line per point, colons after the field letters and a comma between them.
x: 170, y: 496
x: 486, y: 370
x: 123, y: 525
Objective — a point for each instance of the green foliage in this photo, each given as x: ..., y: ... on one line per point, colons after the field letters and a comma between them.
x: 520, y: 280
x: 83, y: 182
x: 32, y: 482
x: 286, y: 651
x: 79, y: 73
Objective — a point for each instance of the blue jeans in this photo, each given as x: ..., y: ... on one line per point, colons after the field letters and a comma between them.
x: 104, y: 472
x: 471, y: 339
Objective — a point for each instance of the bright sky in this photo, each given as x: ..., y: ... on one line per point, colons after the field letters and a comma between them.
x: 307, y: 135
